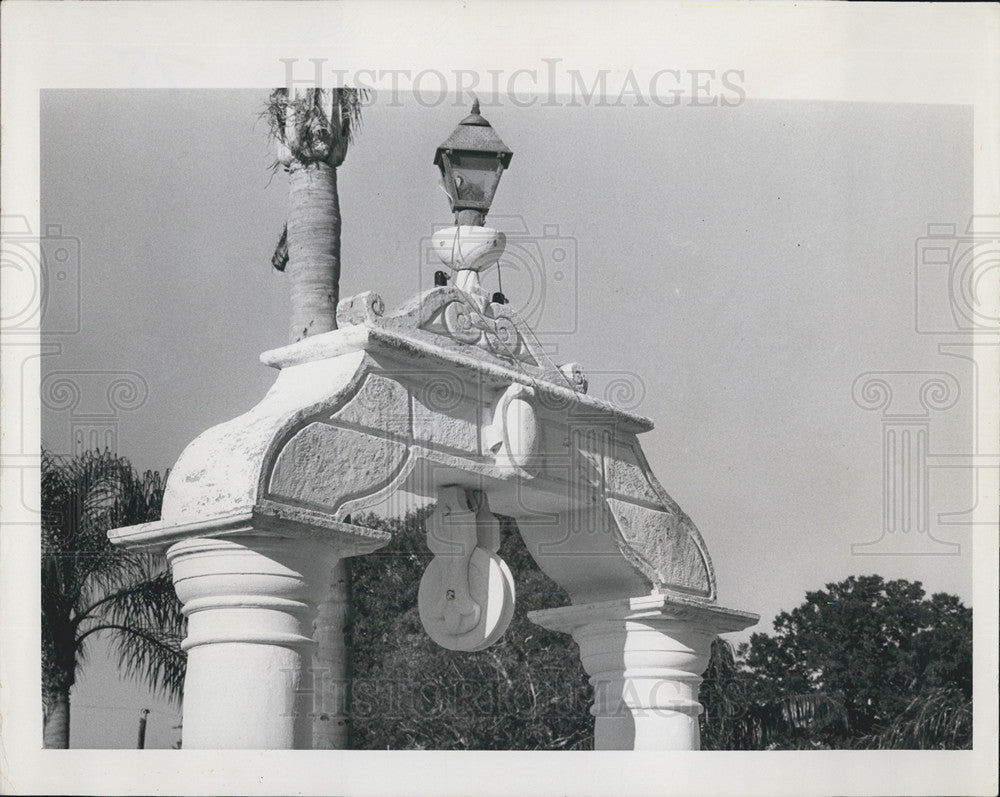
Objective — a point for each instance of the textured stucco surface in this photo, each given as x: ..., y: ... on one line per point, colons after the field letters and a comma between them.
x: 324, y: 466
x: 665, y: 542
x: 381, y: 404
x: 220, y: 472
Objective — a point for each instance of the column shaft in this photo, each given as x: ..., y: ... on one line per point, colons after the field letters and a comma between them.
x: 250, y: 602
x: 646, y: 676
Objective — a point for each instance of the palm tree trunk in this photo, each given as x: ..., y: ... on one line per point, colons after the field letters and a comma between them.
x: 313, y: 248
x: 314, y: 268
x: 331, y: 664
x: 56, y: 731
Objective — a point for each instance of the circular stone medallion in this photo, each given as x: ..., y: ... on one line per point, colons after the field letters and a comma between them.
x: 491, y: 586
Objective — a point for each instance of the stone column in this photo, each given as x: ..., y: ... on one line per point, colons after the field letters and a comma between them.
x: 645, y: 657
x: 331, y: 668
x: 250, y: 583
x: 250, y: 603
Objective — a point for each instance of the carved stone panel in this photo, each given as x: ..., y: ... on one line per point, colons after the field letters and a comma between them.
x: 324, y: 466
x: 445, y: 415
x: 663, y: 542
x: 379, y: 404
x: 627, y: 474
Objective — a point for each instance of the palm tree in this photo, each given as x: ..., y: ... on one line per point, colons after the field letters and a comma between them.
x: 91, y: 588
x: 312, y: 129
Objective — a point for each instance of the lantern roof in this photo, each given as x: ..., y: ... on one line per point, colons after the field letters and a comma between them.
x: 475, y: 134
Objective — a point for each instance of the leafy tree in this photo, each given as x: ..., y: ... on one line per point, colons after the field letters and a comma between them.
x: 879, y: 649
x: 736, y: 717
x: 526, y: 692
x: 723, y: 698
x: 91, y: 588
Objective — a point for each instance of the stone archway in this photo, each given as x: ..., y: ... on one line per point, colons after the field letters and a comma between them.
x: 449, y: 398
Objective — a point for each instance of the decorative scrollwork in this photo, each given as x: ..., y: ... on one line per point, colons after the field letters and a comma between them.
x: 128, y: 392
x: 940, y: 392
x: 504, y: 339
x: 458, y: 321
x: 462, y: 321
x: 360, y: 308
x: 871, y: 392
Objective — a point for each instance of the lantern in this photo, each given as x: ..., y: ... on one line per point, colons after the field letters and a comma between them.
x: 471, y: 163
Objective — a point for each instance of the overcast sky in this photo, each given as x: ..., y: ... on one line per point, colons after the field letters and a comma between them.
x: 738, y: 267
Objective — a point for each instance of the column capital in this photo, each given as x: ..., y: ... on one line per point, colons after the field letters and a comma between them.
x: 265, y: 519
x: 645, y: 656
x: 704, y: 615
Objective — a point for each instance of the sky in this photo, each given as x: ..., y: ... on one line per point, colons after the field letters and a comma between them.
x: 728, y: 272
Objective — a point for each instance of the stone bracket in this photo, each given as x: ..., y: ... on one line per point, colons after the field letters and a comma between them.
x: 514, y: 438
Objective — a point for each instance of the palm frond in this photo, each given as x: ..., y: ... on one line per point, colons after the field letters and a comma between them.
x: 940, y: 719
x: 150, y: 656
x: 313, y: 124
x: 280, y: 257
x: 146, y: 628
x: 89, y: 586
x: 799, y: 716
x: 350, y: 102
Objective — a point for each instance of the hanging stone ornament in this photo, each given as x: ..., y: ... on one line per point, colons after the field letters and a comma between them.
x: 466, y: 596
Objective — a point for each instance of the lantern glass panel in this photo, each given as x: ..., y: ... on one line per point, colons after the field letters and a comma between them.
x: 475, y: 176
